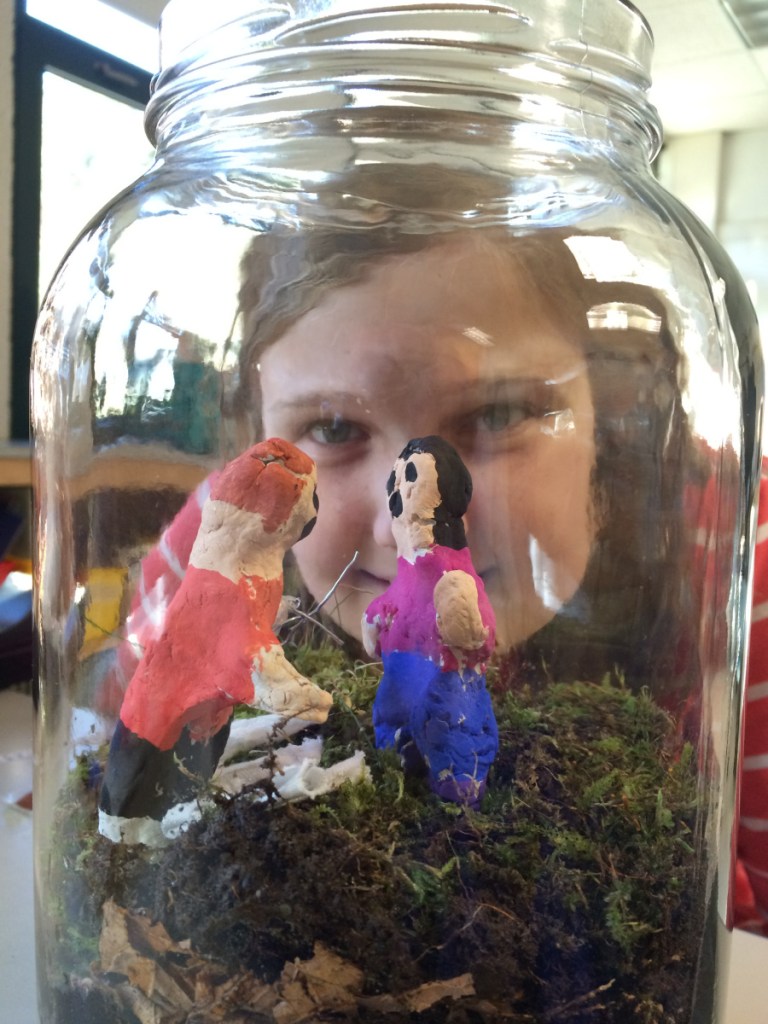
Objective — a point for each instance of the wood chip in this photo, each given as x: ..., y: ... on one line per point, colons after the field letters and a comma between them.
x: 421, y: 998
x: 166, y: 983
x: 132, y: 946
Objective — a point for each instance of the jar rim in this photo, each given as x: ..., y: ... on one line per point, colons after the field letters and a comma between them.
x: 184, y: 24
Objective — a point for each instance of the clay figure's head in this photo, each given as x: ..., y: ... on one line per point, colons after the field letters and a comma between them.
x: 429, y: 491
x: 261, y: 504
x: 277, y: 481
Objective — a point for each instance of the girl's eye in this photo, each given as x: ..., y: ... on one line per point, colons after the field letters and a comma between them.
x: 497, y: 417
x: 501, y: 416
x: 335, y: 431
x: 508, y: 419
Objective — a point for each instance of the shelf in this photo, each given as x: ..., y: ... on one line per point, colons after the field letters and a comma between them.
x: 132, y: 467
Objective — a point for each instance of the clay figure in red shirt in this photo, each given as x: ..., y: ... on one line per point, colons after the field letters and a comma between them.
x: 217, y: 646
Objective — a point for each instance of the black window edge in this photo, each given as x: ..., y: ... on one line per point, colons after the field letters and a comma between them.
x: 40, y: 48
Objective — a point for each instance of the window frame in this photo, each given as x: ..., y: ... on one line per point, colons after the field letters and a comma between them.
x: 40, y: 48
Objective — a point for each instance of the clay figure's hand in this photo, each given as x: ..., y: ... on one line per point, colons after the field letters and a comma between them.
x: 457, y: 609
x: 289, y: 605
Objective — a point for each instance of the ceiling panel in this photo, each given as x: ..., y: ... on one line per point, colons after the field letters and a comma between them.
x: 751, y: 18
x: 705, y: 76
x: 144, y: 10
x: 691, y: 29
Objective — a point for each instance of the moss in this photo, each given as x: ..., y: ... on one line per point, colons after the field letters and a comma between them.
x: 570, y: 896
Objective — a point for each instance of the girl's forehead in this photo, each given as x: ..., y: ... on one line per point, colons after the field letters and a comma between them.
x: 358, y: 359
x: 449, y: 280
x: 428, y: 325
x: 470, y: 284
x: 414, y: 313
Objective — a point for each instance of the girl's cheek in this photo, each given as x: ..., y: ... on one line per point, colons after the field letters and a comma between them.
x: 337, y: 502
x: 332, y: 536
x: 311, y: 560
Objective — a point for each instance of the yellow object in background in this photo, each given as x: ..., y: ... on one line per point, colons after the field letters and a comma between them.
x: 105, y: 589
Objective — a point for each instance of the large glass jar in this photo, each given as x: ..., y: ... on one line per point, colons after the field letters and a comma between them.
x: 396, y: 447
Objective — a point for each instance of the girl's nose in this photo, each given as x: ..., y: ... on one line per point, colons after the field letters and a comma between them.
x: 382, y: 524
x: 382, y: 517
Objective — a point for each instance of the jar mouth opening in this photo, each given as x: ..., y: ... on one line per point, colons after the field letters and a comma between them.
x: 606, y: 30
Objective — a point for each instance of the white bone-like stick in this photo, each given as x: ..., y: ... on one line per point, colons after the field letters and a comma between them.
x: 259, y: 733
x: 308, y: 779
x: 296, y: 775
x: 294, y: 771
x: 233, y: 777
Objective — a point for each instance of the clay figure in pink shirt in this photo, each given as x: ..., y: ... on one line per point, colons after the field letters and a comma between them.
x: 434, y: 629
x: 217, y: 646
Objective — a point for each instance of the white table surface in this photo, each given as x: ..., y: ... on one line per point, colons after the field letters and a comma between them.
x: 747, y: 982
x: 18, y: 1004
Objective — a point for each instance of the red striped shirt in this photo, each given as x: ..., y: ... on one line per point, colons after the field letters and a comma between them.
x: 751, y: 891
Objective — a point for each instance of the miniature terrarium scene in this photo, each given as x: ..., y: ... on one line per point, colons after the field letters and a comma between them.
x: 391, y: 578
x: 394, y: 724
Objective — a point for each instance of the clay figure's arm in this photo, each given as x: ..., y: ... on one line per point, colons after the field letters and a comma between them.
x: 278, y: 687
x: 457, y: 608
x: 370, y: 635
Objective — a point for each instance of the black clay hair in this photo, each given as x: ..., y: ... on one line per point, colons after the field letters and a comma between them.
x: 453, y: 482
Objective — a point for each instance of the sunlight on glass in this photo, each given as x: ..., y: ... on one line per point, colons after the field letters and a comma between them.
x: 711, y: 400
x: 82, y: 169
x: 144, y: 337
x: 101, y: 25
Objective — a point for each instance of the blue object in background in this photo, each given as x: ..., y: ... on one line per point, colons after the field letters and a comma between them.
x: 16, y: 658
x: 10, y: 524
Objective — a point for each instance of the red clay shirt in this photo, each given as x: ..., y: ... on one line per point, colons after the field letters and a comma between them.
x: 200, y: 665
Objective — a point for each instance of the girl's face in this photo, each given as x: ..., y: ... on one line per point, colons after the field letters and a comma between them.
x: 449, y: 341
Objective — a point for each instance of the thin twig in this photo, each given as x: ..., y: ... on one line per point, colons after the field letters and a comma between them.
x: 316, y: 608
x: 310, y: 615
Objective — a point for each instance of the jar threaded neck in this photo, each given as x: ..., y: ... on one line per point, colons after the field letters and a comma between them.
x: 582, y: 67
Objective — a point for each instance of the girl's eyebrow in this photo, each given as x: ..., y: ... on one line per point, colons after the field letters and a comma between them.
x: 314, y: 399
x: 468, y: 391
x: 482, y: 390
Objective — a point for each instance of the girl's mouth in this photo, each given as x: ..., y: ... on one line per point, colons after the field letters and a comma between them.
x: 488, y: 576
x: 361, y: 579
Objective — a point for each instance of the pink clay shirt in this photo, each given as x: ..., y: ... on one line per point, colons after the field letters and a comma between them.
x: 405, y: 613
